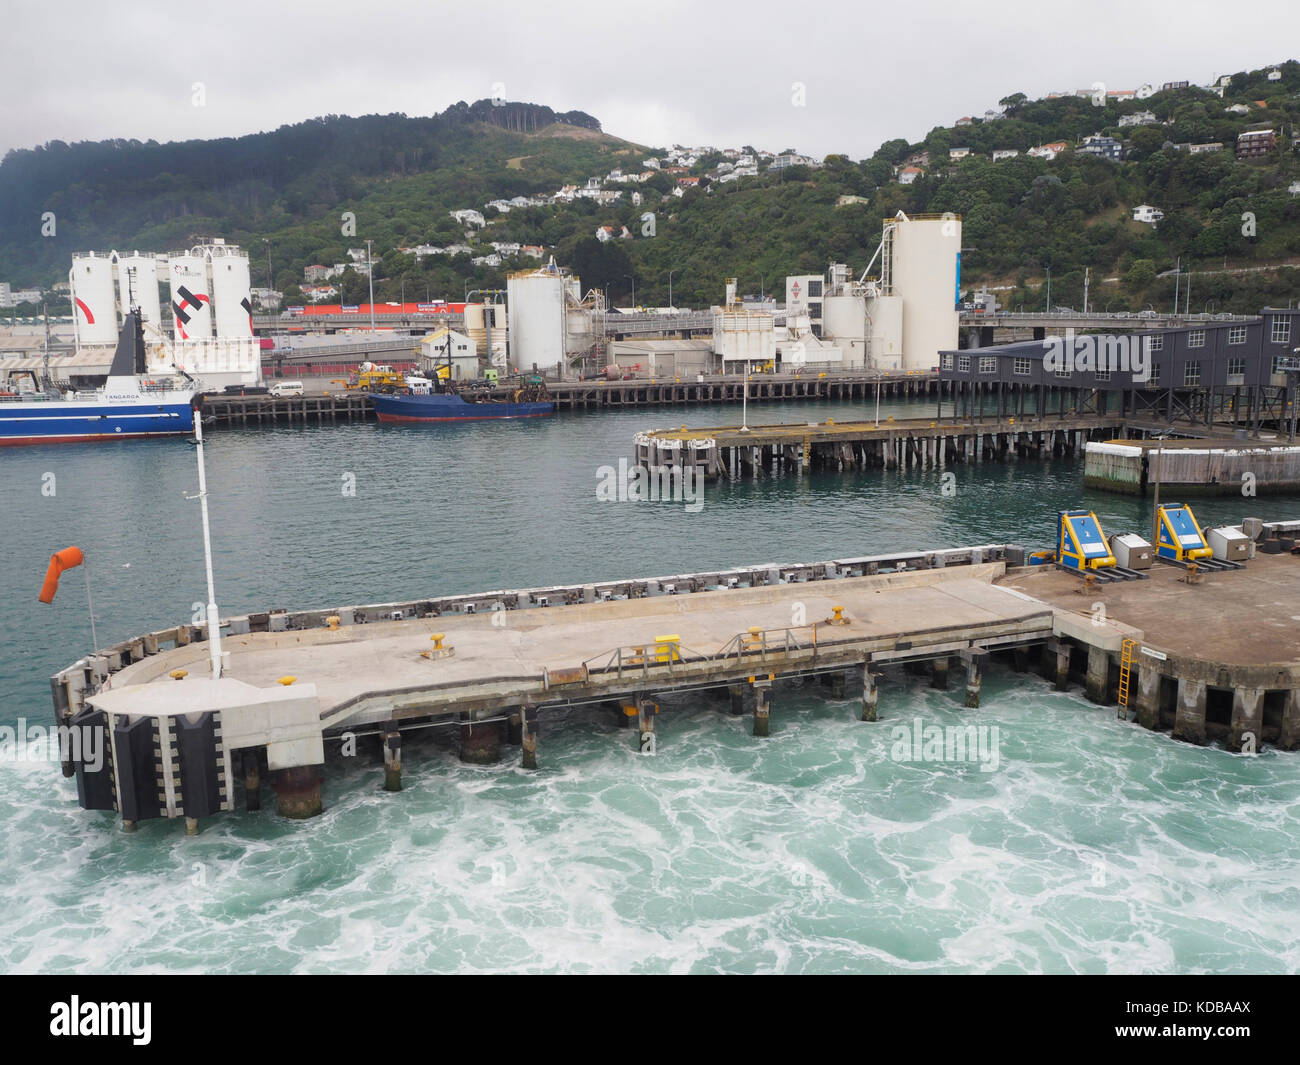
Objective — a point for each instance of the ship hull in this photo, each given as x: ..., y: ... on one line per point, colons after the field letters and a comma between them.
x: 74, y: 423
x: 441, y: 408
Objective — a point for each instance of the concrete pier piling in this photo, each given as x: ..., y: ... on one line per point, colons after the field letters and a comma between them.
x: 392, y: 738
x: 762, y: 707
x: 1289, y: 738
x: 297, y: 791
x: 528, y: 736
x: 939, y: 673
x: 870, y: 693
x: 252, y: 766
x: 1189, y: 720
x: 515, y: 730
x: 480, y: 742
x: 974, y: 679
x: 1062, y: 665
x: 645, y: 722
x: 1097, y: 687
x: 1148, y: 696
x: 738, y: 697
x: 1246, y: 727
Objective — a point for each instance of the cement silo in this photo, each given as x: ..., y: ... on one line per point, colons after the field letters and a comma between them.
x: 232, y: 303
x: 187, y: 273
x: 923, y: 271
x: 137, y: 285
x: 885, y: 332
x: 94, y: 299
x: 537, y: 320
x: 844, y: 320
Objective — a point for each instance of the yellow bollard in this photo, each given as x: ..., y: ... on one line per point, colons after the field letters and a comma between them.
x: 286, y: 680
x: 178, y: 674
x: 332, y: 622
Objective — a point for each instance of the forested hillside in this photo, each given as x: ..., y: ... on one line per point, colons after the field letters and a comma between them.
x: 286, y: 191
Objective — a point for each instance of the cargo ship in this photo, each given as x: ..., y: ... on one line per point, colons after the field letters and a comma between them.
x: 130, y: 404
x: 451, y: 407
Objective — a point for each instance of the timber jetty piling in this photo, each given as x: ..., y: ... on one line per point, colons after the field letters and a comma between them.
x: 736, y: 452
x: 1209, y: 660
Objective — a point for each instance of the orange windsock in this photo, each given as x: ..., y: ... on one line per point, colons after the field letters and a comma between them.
x: 61, y: 560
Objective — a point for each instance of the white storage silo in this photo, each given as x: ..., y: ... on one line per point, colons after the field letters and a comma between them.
x: 191, y: 308
x: 94, y: 299
x: 537, y: 322
x: 137, y: 285
x: 885, y: 321
x: 232, y: 302
x: 924, y: 273
x: 844, y: 320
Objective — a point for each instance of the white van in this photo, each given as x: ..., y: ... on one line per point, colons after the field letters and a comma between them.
x: 286, y: 388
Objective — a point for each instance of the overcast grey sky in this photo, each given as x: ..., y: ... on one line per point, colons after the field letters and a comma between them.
x: 690, y: 71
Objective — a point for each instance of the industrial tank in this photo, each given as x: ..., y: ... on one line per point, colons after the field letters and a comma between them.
x: 844, y: 320
x: 187, y: 274
x: 537, y: 321
x: 885, y: 320
x: 94, y: 299
x: 232, y: 302
x: 137, y: 285
x: 924, y: 273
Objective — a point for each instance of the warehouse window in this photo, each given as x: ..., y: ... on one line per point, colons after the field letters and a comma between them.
x: 1281, y: 331
x: 1237, y: 334
x: 1063, y: 373
x: 1236, y: 367
x: 963, y: 364
x: 1153, y: 375
x: 1279, y: 362
x: 945, y: 362
x: 1103, y: 375
x: 1196, y: 338
x: 988, y: 364
x: 1192, y: 373
x: 1156, y: 343
x: 1021, y: 367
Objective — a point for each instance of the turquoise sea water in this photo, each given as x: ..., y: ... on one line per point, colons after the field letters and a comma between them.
x: 1095, y: 846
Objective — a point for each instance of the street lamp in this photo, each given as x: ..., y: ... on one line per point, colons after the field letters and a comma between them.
x: 633, y: 280
x: 670, y: 288
x: 370, y: 269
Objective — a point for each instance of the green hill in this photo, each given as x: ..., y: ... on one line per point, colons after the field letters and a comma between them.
x: 401, y: 176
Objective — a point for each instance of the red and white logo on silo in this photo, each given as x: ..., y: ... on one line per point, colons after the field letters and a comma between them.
x: 188, y: 302
x: 90, y: 318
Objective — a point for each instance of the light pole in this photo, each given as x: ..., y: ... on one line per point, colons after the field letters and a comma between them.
x: 370, y: 269
x: 1048, y: 308
x: 269, y: 283
x: 744, y: 400
x: 633, y: 280
x: 670, y: 289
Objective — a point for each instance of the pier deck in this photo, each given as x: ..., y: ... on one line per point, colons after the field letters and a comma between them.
x: 1214, y: 660
x: 373, y: 672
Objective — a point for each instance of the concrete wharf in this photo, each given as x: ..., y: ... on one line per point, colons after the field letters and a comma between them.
x: 1217, y: 659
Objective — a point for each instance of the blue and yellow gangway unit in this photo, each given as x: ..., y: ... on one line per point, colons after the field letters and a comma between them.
x: 1181, y: 541
x: 1082, y: 548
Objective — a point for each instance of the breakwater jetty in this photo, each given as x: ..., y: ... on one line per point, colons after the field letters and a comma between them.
x: 1209, y: 659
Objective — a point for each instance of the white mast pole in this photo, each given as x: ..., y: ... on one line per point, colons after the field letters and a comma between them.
x: 214, y: 621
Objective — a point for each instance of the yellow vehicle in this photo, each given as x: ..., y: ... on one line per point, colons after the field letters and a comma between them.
x: 372, y: 378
